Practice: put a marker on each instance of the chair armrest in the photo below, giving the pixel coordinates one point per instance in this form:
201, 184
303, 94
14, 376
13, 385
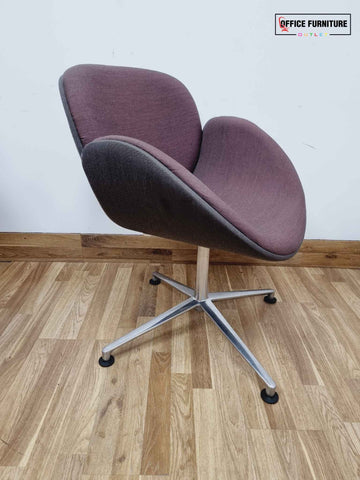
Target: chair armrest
233, 145
256, 180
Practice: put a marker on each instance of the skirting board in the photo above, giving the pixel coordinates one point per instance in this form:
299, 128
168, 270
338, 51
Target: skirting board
146, 248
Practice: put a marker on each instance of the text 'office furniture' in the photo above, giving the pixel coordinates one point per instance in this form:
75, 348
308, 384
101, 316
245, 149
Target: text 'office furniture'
155, 170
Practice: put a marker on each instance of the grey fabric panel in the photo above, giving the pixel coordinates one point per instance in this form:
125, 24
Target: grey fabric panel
138, 192
69, 117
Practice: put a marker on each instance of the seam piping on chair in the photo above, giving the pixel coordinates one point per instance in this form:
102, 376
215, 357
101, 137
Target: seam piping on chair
73, 128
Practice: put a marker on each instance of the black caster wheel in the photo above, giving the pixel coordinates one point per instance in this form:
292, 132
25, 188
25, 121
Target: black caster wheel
269, 299
154, 281
269, 399
106, 363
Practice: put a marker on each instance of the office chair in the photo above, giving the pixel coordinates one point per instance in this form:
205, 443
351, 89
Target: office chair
154, 169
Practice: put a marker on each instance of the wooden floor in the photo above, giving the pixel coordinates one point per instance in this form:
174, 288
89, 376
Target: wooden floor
180, 403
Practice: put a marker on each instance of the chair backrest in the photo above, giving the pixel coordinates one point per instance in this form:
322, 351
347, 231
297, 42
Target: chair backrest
150, 106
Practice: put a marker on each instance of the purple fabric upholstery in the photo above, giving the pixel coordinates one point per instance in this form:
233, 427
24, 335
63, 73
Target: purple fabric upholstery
246, 177
137, 190
256, 182
143, 104
240, 187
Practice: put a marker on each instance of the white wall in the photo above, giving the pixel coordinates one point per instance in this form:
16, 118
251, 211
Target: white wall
303, 92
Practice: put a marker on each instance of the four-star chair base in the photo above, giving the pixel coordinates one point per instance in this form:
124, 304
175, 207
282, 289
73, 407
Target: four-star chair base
201, 298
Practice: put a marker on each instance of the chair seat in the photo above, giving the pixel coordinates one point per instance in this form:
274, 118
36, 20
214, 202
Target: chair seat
242, 174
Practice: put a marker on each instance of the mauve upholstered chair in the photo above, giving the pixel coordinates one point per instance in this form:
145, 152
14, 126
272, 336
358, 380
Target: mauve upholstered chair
155, 170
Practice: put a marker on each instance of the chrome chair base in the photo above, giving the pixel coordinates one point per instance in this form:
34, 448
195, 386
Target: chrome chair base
200, 298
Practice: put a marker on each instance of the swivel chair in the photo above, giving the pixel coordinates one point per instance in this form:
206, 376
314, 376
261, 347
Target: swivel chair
154, 169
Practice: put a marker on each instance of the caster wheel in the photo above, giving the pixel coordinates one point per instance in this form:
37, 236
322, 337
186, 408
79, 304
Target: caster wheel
154, 281
106, 363
268, 399
269, 299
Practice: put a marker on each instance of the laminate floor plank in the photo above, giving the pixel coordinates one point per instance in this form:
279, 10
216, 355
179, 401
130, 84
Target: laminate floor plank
156, 446
182, 429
